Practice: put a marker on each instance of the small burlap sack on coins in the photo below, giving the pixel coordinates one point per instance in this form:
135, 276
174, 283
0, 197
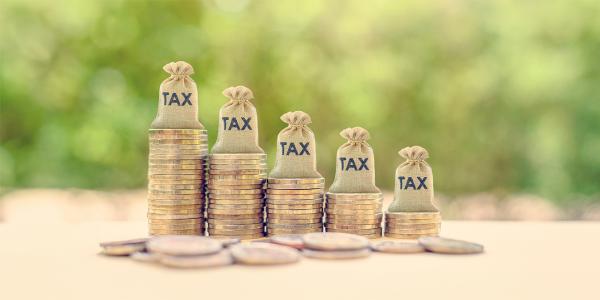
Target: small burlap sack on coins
296, 149
238, 123
177, 99
413, 191
355, 168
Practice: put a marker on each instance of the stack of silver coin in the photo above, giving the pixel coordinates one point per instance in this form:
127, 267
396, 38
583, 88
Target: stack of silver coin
176, 181
356, 213
236, 195
294, 205
412, 225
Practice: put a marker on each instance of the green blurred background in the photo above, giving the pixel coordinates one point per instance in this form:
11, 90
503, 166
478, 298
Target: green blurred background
503, 94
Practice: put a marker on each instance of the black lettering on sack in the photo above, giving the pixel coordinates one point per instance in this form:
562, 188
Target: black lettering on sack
349, 164
410, 182
233, 123
292, 149
174, 99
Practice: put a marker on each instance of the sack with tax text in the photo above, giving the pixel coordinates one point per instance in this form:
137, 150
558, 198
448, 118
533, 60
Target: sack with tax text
413, 191
177, 99
296, 149
355, 167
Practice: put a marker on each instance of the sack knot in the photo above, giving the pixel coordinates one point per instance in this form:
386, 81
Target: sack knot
296, 119
355, 135
238, 94
414, 154
179, 70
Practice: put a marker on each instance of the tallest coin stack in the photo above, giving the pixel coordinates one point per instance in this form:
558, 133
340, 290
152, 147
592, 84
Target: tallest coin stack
177, 157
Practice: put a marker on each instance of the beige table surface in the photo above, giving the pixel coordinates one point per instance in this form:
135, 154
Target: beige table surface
522, 261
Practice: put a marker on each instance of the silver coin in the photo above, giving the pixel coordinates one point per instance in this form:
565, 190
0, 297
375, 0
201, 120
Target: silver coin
145, 256
264, 254
397, 247
290, 240
331, 241
123, 248
183, 245
221, 258
449, 246
338, 254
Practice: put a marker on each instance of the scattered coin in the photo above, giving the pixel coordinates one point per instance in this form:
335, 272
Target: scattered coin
228, 241
145, 256
337, 254
221, 258
183, 245
334, 241
264, 254
290, 240
123, 248
397, 247
449, 246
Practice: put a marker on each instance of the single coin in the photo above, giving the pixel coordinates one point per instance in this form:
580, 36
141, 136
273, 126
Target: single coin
233, 211
169, 191
241, 237
160, 202
397, 247
178, 149
235, 232
216, 203
352, 211
235, 181
211, 187
236, 192
412, 231
176, 226
331, 241
221, 258
173, 216
294, 202
177, 141
295, 226
407, 236
237, 161
295, 197
354, 195
176, 167
144, 256
296, 180
354, 206
157, 232
177, 162
318, 206
173, 172
176, 222
354, 202
333, 220
176, 207
260, 177
237, 226
253, 206
174, 211
229, 156
122, 248
158, 155
255, 220
176, 177
232, 197
235, 216
178, 136
337, 254
177, 131
294, 211
352, 226
377, 216
183, 245
449, 246
278, 231
422, 222
227, 241
273, 220
154, 182
411, 215
282, 186
273, 215
264, 254
290, 240
294, 192
238, 167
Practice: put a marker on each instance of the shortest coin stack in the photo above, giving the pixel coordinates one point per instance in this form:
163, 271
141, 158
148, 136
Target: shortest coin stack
176, 177
356, 213
294, 205
412, 225
236, 195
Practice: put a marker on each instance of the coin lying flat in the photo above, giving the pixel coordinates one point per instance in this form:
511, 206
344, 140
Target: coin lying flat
183, 245
298, 181
295, 197
228, 241
449, 246
295, 186
407, 236
397, 247
334, 241
338, 254
145, 256
264, 254
290, 240
221, 258
354, 195
411, 215
123, 248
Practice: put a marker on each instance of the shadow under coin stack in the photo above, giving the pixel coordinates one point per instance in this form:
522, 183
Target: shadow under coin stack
412, 225
294, 205
176, 178
236, 195
356, 213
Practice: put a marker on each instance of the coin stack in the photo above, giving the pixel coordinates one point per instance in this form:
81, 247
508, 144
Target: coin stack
236, 195
294, 205
356, 213
176, 178
412, 225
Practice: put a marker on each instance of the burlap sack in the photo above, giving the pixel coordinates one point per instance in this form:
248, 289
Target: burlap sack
296, 149
177, 99
238, 124
355, 170
413, 191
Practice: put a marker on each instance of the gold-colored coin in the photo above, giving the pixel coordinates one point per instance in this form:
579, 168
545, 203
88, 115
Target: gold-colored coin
412, 231
236, 192
237, 172
176, 227
372, 223
406, 236
177, 131
328, 241
175, 202
450, 246
235, 156
276, 186
214, 211
318, 206
167, 187
255, 220
122, 248
154, 161
173, 216
176, 222
273, 220
234, 187
175, 182
355, 202
352, 226
294, 202
173, 172
345, 254
356, 231
163, 156
173, 211
227, 182
234, 197
195, 232
176, 192
277, 197
256, 214
177, 136
168, 207
294, 226
261, 166
273, 215
400, 222
299, 181
354, 195
272, 231
294, 211
177, 142
411, 215
294, 192
255, 206
241, 237
236, 226
235, 231
179, 149
175, 167
413, 226
352, 212
335, 207
176, 177
254, 202
238, 161
227, 178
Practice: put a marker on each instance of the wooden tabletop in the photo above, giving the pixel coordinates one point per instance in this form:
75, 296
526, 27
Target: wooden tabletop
522, 261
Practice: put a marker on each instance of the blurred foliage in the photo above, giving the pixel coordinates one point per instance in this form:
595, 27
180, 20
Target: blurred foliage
504, 94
